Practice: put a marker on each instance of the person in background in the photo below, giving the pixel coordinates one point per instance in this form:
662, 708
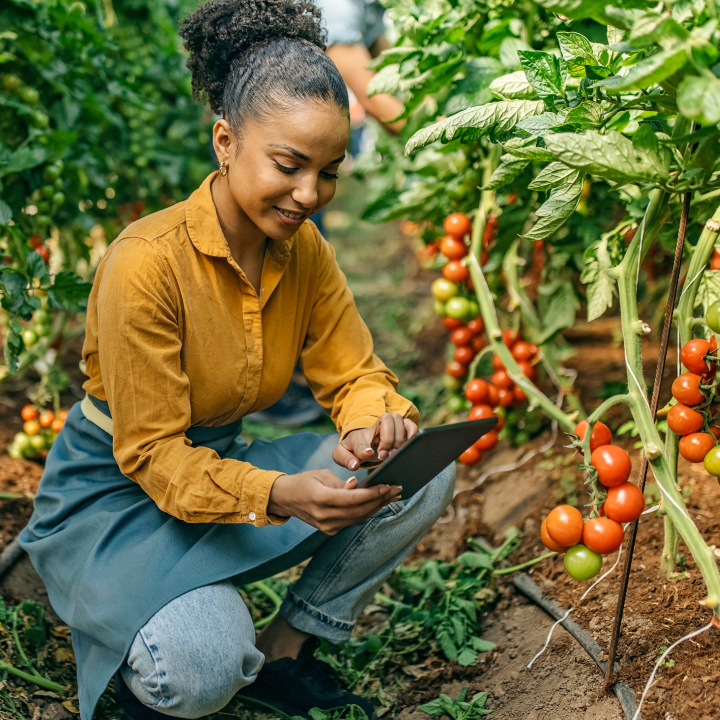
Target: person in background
355, 31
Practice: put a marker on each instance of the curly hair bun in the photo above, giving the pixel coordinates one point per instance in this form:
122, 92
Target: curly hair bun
221, 33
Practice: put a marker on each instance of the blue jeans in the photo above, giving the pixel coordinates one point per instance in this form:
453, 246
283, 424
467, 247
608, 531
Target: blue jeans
193, 655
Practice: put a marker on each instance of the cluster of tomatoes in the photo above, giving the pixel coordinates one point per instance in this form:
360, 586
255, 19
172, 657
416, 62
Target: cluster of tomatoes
40, 428
500, 391
585, 542
691, 416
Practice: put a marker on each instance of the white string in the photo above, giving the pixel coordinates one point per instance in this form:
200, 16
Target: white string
565, 616
688, 285
662, 658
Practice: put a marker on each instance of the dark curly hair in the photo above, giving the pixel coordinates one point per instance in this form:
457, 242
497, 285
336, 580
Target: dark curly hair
250, 57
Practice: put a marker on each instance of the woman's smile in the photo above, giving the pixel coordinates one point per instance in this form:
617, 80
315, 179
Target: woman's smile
287, 217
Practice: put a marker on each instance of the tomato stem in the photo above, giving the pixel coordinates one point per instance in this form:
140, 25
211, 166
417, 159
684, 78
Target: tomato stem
522, 566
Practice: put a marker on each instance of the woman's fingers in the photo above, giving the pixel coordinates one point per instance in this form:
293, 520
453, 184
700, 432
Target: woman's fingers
344, 457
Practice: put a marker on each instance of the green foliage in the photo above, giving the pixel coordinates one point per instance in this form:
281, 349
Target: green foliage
459, 709
97, 126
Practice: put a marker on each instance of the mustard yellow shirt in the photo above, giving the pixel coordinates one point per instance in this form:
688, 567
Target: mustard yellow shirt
176, 336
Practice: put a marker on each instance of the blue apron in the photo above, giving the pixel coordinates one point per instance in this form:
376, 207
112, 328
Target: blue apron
110, 558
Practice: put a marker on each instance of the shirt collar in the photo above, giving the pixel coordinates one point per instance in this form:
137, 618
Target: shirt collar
204, 229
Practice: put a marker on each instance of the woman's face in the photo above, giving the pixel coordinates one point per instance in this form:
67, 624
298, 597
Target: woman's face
283, 169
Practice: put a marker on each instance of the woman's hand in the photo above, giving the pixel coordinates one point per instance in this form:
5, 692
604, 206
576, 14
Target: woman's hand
374, 444
321, 499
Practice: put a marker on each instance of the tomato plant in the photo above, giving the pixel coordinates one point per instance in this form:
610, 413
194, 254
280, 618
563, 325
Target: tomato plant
83, 151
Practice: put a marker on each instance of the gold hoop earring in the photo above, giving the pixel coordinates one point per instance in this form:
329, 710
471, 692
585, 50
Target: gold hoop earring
223, 169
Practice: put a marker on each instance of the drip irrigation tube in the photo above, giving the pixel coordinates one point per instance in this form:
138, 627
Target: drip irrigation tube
624, 693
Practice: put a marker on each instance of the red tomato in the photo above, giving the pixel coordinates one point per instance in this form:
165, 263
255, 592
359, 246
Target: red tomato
686, 389
493, 399
464, 355
715, 430
477, 343
35, 242
489, 231
696, 446
47, 418
501, 379
472, 456
453, 248
487, 442
480, 412
624, 503
57, 425
477, 325
455, 369
519, 394
715, 263
601, 434
455, 271
29, 412
528, 370
497, 363
427, 253
522, 351
547, 541
476, 391
505, 397
612, 463
44, 253
534, 350
683, 420
510, 337
461, 336
565, 525
603, 535
457, 224
692, 355
452, 323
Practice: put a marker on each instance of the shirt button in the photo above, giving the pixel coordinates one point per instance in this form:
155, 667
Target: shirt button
252, 516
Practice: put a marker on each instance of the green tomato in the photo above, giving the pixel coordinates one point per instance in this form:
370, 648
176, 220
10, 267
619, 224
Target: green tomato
474, 310
456, 403
40, 119
712, 462
42, 316
47, 191
712, 317
58, 183
582, 563
43, 220
42, 330
58, 198
11, 82
22, 441
51, 172
14, 451
37, 442
29, 95
521, 438
452, 384
443, 289
457, 307
43, 207
29, 337
439, 308
142, 161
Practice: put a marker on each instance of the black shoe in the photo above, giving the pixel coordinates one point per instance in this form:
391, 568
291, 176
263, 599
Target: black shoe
296, 686
131, 706
297, 406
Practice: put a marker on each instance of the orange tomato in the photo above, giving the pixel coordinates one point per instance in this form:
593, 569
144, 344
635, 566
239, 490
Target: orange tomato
47, 418
457, 224
565, 525
601, 434
31, 427
547, 541
455, 271
29, 412
487, 442
603, 535
472, 456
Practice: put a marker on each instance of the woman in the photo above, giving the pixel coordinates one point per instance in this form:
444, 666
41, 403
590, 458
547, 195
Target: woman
151, 509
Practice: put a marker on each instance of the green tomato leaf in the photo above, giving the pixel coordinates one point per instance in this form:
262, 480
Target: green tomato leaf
547, 73
513, 86
13, 342
529, 153
393, 56
5, 213
600, 286
22, 159
495, 118
482, 645
611, 156
540, 124
506, 172
647, 72
575, 9
68, 292
553, 175
709, 289
574, 45
699, 99
558, 311
386, 80
559, 206
587, 114
467, 657
509, 52
14, 295
475, 560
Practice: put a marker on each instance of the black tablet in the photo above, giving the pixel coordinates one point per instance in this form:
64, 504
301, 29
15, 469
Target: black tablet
428, 452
